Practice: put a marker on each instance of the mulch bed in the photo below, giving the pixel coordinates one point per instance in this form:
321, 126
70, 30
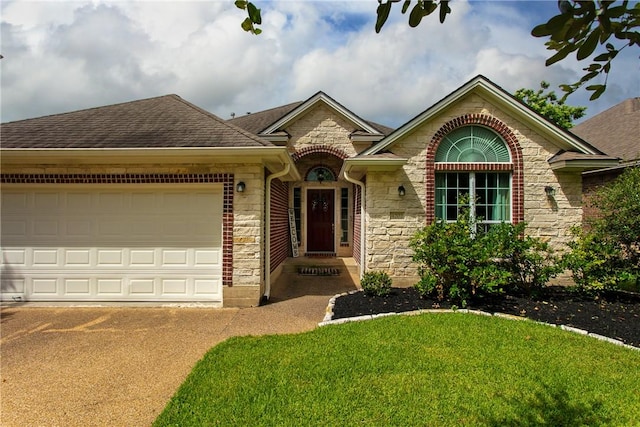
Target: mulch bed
615, 315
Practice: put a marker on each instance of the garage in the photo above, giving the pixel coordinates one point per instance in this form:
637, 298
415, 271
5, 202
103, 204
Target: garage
112, 242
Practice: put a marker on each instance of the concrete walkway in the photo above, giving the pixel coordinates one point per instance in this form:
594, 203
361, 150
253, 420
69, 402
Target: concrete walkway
119, 366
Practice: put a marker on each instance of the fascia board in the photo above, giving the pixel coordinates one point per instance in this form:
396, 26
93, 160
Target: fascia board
312, 102
582, 165
168, 155
373, 164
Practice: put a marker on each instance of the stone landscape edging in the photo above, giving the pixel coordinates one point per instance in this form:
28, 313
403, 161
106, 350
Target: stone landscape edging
328, 319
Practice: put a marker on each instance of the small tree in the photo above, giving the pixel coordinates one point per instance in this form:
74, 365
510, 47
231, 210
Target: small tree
548, 105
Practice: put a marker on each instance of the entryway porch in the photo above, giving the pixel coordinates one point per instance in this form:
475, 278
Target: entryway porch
321, 276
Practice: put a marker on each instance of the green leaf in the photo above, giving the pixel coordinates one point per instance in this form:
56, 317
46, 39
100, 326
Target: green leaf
247, 25
416, 16
560, 55
444, 10
241, 4
254, 13
405, 6
541, 31
589, 45
598, 90
383, 14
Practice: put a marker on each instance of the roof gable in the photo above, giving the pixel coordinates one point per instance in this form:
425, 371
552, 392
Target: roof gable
161, 122
317, 99
499, 97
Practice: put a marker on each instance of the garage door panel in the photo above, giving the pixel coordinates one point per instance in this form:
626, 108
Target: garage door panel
77, 244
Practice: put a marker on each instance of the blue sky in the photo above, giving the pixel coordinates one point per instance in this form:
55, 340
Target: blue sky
62, 56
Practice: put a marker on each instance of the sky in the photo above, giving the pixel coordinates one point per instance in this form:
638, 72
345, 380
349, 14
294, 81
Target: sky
62, 56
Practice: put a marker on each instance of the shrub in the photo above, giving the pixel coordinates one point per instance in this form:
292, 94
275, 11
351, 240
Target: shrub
530, 261
606, 253
376, 283
459, 260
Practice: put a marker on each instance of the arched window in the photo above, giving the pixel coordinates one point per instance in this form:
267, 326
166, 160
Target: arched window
486, 192
473, 144
320, 174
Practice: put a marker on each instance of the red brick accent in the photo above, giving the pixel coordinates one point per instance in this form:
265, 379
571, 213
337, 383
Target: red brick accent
516, 165
152, 178
319, 149
280, 239
357, 200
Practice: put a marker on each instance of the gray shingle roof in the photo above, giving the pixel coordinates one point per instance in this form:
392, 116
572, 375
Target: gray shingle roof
615, 131
257, 122
165, 121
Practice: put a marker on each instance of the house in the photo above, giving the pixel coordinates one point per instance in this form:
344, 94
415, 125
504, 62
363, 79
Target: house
615, 131
159, 200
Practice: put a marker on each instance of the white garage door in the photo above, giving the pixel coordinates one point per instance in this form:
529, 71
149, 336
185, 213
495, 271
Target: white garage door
156, 242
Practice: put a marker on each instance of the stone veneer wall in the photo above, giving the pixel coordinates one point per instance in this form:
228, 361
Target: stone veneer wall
242, 213
321, 126
392, 219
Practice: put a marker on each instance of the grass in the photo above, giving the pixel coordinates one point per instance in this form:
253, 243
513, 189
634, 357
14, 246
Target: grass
446, 369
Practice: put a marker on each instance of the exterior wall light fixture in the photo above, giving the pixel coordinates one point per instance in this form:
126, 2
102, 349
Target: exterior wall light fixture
401, 190
550, 191
240, 187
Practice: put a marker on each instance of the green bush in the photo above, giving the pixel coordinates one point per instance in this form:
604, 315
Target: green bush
376, 283
605, 254
530, 262
460, 260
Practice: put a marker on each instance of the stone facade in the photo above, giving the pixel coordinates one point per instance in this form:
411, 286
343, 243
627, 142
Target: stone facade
392, 219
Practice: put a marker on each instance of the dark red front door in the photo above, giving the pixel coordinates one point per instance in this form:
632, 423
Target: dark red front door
320, 216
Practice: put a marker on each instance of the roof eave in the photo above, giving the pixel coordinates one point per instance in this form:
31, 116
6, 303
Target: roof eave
271, 157
358, 167
581, 165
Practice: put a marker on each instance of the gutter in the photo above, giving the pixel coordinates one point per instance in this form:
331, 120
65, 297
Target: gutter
362, 220
267, 257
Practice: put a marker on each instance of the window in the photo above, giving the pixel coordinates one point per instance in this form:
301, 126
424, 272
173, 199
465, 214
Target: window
488, 194
297, 211
320, 173
344, 216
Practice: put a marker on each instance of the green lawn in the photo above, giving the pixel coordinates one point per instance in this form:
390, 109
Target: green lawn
432, 369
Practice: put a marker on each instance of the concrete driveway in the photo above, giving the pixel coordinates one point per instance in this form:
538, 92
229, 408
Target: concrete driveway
119, 366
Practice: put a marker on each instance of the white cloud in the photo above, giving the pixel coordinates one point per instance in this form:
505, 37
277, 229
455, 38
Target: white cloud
67, 55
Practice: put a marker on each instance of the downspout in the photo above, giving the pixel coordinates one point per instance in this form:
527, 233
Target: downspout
360, 184
267, 260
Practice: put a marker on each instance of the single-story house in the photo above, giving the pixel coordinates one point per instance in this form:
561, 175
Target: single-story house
159, 200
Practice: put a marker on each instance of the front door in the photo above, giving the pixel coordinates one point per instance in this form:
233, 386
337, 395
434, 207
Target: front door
320, 220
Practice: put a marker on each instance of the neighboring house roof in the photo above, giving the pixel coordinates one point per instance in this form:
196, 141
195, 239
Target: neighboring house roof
161, 122
615, 131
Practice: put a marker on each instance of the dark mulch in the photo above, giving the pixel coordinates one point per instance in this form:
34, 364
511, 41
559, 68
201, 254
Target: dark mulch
615, 315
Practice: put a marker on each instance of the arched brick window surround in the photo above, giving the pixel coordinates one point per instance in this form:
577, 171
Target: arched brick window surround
516, 166
152, 178
323, 149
